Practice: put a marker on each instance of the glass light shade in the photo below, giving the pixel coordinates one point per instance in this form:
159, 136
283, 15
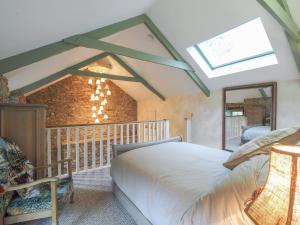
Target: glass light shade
102, 103
97, 120
94, 115
92, 97
101, 107
105, 101
105, 117
99, 112
278, 202
98, 82
99, 87
90, 82
103, 79
96, 98
102, 95
97, 92
94, 108
106, 87
108, 92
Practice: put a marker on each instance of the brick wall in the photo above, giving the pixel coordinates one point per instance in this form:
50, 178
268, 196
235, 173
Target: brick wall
4, 92
69, 103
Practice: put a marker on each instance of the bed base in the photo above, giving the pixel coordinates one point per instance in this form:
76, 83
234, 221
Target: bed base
132, 210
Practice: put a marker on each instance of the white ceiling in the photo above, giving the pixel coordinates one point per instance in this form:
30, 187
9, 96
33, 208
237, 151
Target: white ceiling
26, 25
188, 22
183, 22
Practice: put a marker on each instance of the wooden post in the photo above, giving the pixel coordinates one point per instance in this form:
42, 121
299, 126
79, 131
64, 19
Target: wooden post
54, 203
167, 129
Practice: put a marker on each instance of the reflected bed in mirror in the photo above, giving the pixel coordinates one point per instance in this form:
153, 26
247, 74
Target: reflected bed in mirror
248, 112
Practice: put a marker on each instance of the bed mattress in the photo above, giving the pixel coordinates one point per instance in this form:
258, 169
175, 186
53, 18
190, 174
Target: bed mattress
166, 180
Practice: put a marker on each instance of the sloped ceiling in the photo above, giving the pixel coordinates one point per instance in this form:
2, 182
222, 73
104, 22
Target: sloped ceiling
26, 25
185, 23
31, 24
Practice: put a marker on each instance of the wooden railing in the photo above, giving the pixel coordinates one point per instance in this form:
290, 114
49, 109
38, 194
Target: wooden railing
234, 126
90, 146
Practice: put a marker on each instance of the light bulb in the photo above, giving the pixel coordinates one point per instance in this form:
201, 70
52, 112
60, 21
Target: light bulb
98, 82
94, 108
97, 120
105, 117
99, 87
96, 98
102, 95
101, 107
92, 97
97, 92
100, 112
94, 115
103, 79
108, 92
102, 103
105, 101
107, 87
90, 82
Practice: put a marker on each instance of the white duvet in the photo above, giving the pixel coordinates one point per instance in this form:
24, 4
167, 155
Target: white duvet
180, 183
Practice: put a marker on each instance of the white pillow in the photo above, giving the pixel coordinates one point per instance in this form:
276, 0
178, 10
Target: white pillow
261, 145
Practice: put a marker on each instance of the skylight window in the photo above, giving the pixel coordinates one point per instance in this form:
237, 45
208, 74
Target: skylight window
243, 48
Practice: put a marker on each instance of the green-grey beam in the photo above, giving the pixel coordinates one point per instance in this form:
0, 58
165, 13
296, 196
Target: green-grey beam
70, 70
38, 54
263, 93
86, 73
282, 16
134, 73
295, 46
83, 41
176, 55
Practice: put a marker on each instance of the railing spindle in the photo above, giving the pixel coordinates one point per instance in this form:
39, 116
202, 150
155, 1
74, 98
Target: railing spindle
161, 130
127, 133
149, 131
58, 139
77, 149
49, 152
108, 146
153, 132
139, 133
144, 132
121, 134
68, 144
115, 134
133, 133
94, 147
101, 146
85, 149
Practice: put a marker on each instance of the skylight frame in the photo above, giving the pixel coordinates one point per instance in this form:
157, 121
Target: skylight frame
262, 59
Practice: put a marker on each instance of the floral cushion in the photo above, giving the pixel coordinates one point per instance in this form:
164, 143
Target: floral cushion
41, 202
4, 178
21, 170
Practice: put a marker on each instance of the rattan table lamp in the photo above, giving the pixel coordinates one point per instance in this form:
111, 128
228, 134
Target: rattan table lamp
278, 201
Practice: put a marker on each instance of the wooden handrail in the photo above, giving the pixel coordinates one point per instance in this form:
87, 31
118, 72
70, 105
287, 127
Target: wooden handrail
102, 124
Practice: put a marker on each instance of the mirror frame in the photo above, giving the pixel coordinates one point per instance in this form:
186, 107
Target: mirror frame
273, 86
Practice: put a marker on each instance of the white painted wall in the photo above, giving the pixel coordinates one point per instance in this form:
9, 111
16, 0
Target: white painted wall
207, 112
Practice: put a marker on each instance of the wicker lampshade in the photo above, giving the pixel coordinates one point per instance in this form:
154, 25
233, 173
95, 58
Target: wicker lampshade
278, 202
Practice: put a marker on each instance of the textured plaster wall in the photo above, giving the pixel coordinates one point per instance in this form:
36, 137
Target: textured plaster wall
207, 112
206, 120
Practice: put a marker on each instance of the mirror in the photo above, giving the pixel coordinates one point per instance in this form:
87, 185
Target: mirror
248, 112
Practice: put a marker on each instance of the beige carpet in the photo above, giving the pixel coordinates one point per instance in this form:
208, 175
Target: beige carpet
94, 203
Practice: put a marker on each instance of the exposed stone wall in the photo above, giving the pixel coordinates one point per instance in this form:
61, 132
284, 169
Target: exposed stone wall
69, 103
4, 92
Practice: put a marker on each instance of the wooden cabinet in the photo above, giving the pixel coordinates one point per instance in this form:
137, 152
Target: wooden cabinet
26, 125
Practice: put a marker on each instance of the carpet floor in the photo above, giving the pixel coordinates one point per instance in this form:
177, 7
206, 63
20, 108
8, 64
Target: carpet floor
94, 203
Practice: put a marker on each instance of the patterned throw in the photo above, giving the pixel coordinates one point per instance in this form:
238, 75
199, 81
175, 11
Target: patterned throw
18, 170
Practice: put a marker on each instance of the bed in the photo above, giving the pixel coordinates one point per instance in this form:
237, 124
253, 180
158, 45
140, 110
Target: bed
179, 183
251, 132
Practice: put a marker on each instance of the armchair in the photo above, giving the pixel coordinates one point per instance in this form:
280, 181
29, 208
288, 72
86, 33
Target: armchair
54, 193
